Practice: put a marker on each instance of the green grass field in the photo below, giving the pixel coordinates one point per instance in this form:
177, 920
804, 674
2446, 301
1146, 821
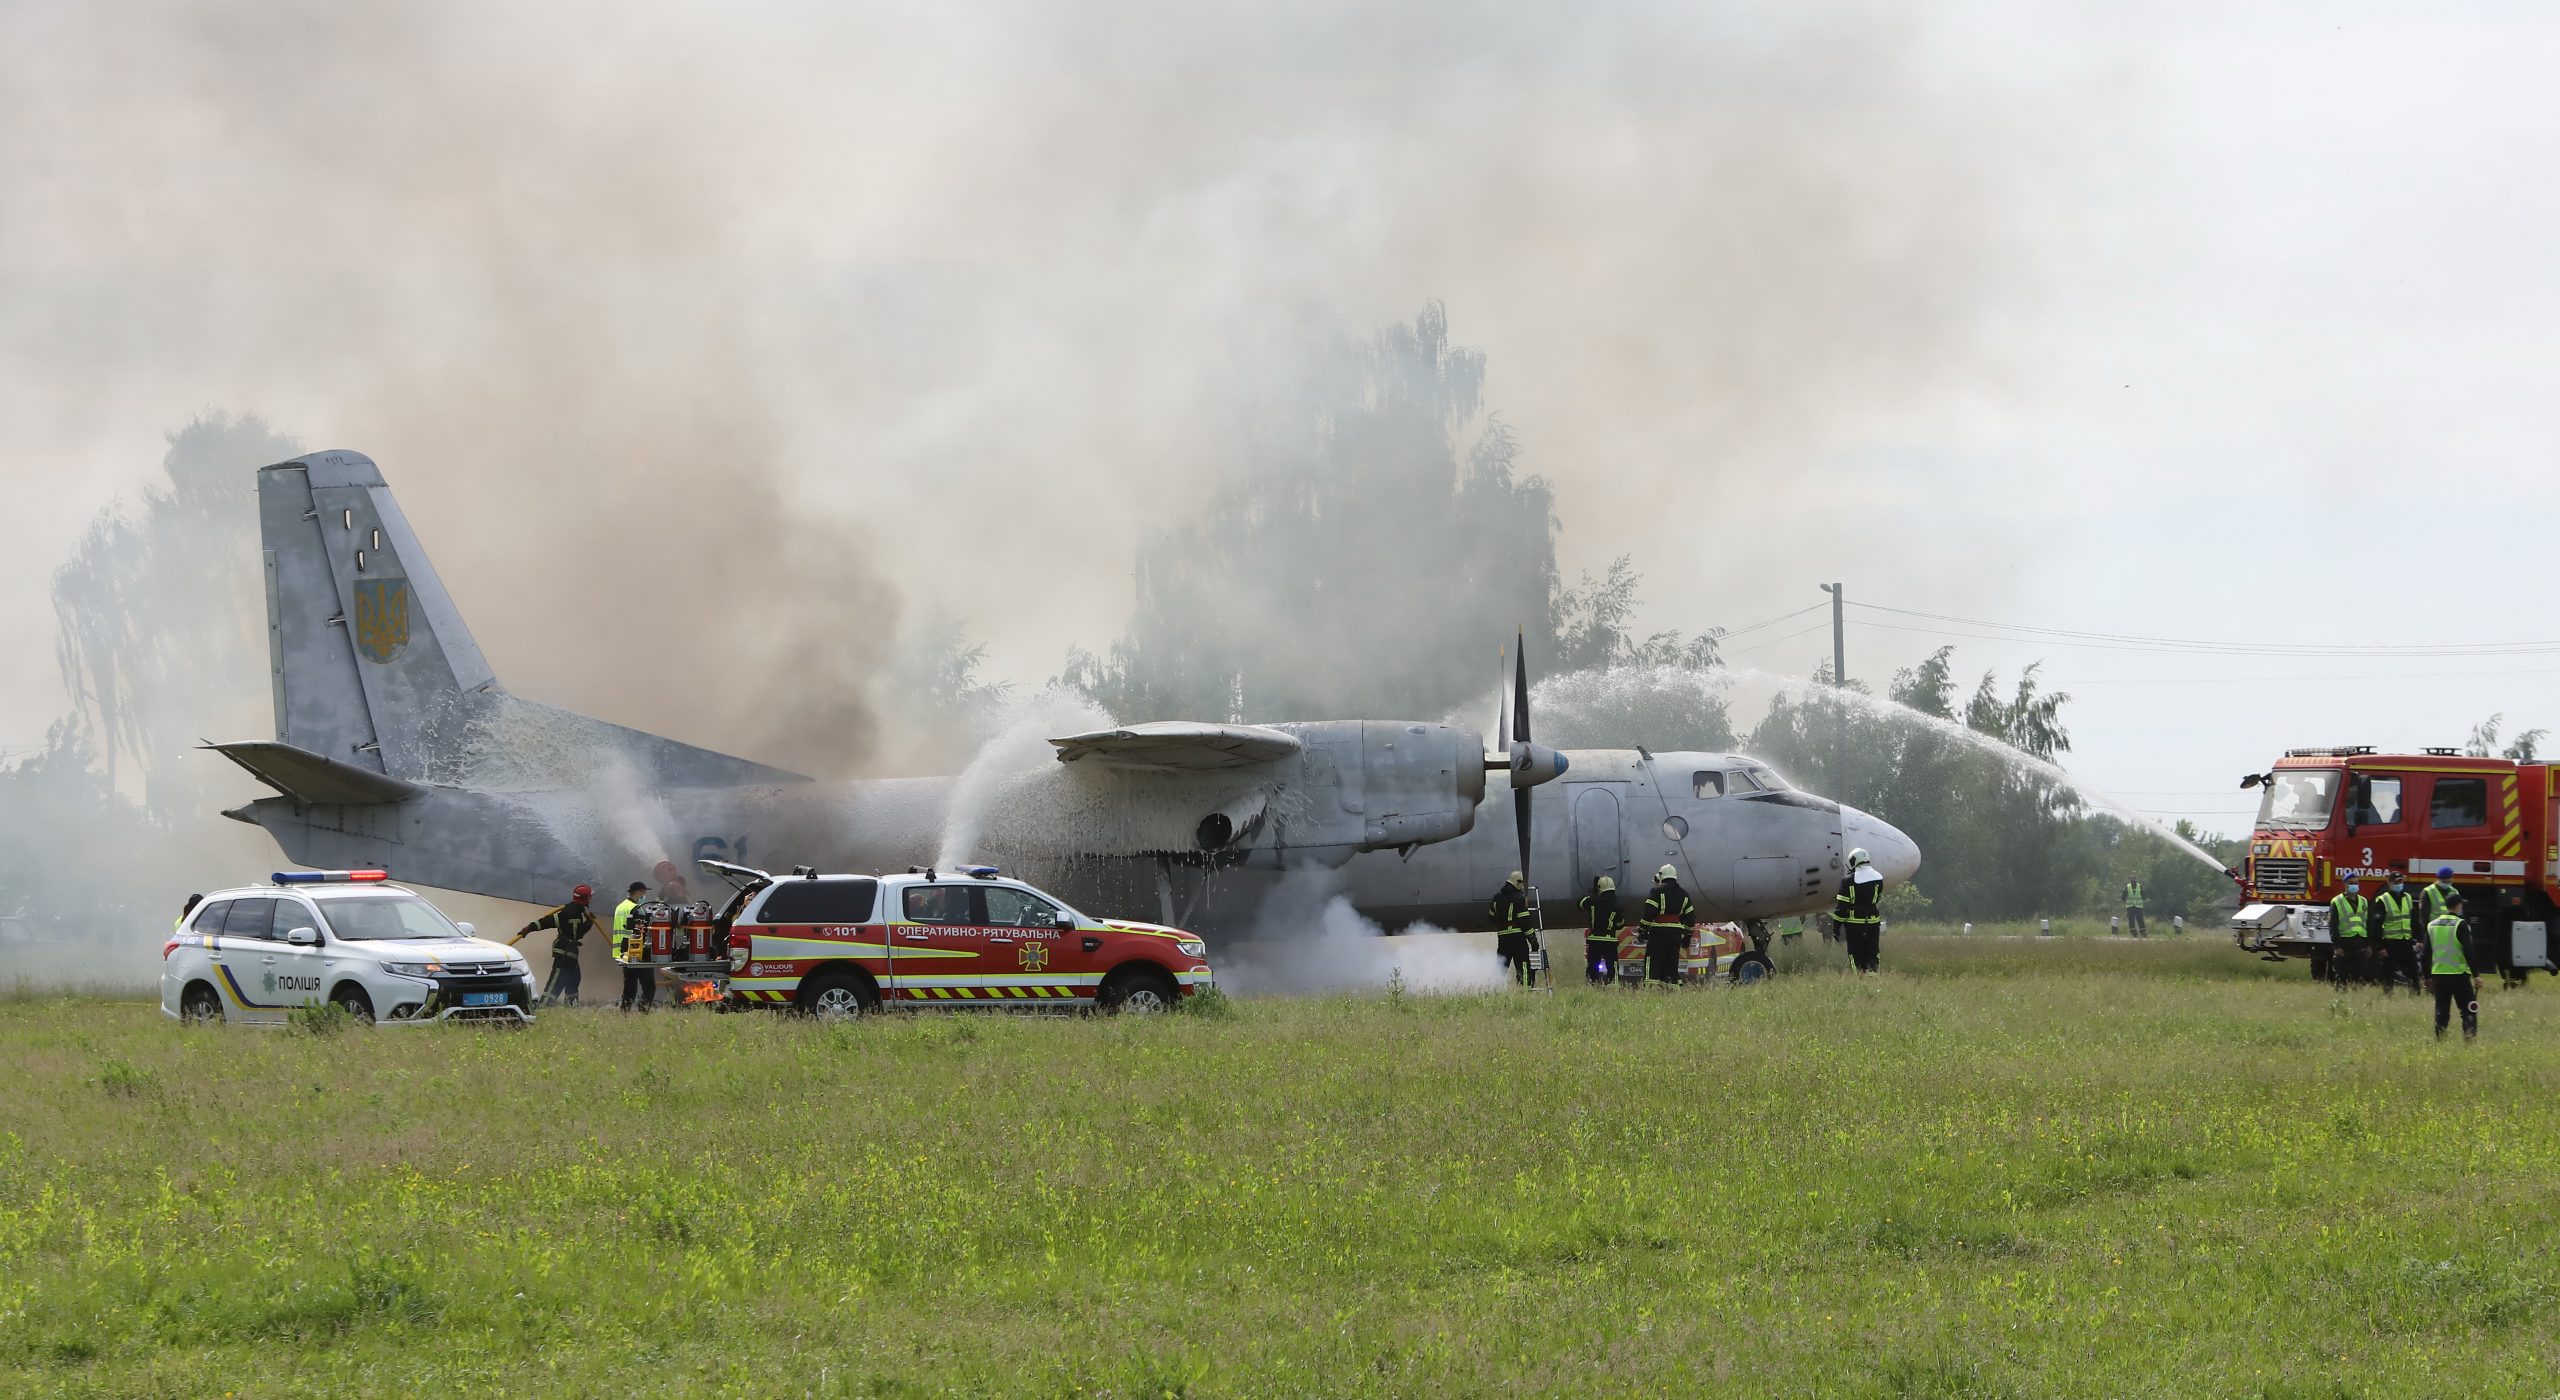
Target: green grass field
2006, 1168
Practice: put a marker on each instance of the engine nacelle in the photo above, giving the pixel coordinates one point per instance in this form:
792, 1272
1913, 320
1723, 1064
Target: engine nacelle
1373, 785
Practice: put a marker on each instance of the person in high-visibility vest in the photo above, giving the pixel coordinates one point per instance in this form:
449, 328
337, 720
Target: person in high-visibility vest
1855, 910
2441, 895
639, 980
1668, 912
2350, 949
1791, 928
190, 907
1601, 920
1516, 927
2449, 973
2395, 921
2133, 921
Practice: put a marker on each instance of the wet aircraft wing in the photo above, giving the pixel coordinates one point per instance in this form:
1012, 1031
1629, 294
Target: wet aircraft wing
311, 778
1180, 746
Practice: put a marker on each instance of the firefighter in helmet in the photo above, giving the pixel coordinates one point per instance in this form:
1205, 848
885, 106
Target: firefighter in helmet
570, 924
1668, 913
1855, 910
1601, 920
1516, 927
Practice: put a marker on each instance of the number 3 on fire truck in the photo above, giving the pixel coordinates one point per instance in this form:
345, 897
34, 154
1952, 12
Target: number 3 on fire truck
2368, 857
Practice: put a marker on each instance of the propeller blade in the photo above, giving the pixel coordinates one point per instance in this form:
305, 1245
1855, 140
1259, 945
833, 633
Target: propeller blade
1495, 742
1519, 743
1520, 814
1520, 688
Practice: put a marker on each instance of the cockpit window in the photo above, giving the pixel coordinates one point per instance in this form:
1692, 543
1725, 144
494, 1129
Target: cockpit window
1708, 784
1762, 776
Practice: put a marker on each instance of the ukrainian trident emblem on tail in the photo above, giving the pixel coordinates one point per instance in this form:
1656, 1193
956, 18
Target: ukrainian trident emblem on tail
382, 617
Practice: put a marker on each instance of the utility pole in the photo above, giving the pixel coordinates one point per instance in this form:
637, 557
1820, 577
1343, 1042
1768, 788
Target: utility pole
1839, 678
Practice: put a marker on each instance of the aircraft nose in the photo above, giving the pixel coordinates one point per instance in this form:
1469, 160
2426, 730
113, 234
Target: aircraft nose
1897, 856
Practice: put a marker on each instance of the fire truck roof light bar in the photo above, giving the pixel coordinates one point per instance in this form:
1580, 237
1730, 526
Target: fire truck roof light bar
2340, 751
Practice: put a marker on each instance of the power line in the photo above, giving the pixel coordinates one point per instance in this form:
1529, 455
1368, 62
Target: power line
1781, 637
2213, 649
2130, 641
1771, 622
2291, 679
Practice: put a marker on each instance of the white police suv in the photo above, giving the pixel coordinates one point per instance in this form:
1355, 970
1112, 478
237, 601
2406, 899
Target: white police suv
339, 936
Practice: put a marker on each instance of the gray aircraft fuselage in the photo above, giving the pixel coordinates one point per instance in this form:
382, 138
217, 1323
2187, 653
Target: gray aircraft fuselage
396, 748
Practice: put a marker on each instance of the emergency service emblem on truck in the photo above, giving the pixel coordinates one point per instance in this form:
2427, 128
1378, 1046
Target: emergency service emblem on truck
843, 944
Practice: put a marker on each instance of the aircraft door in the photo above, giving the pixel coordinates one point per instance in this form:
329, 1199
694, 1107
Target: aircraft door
1599, 840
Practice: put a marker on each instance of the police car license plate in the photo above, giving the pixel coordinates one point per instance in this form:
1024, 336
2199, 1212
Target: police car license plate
484, 998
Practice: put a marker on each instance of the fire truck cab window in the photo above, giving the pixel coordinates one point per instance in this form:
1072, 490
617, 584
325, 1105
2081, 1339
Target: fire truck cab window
939, 904
820, 902
2300, 801
2378, 802
1708, 784
2459, 802
1011, 908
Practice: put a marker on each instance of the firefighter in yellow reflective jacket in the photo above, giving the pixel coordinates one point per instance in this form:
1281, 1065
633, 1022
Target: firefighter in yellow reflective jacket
1516, 927
1855, 910
1601, 921
639, 980
2449, 973
1668, 913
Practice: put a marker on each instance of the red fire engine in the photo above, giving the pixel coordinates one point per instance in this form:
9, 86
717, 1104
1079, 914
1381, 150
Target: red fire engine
2327, 816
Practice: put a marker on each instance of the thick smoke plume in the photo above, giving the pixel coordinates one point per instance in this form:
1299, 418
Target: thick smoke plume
723, 358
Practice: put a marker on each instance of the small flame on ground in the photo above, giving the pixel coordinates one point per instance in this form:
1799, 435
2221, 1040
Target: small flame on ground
699, 993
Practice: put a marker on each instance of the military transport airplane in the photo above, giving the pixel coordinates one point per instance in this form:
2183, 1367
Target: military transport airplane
396, 748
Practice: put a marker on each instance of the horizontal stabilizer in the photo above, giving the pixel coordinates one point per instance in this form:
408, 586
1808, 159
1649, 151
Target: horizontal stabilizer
1180, 746
309, 778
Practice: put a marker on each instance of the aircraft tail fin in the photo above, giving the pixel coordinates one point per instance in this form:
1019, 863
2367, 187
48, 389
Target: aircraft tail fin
374, 669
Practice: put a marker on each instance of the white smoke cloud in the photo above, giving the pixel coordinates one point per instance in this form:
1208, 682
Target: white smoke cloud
1306, 937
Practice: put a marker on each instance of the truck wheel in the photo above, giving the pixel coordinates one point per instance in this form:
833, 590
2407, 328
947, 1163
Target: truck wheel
1752, 967
1143, 990
199, 1005
357, 1004
836, 995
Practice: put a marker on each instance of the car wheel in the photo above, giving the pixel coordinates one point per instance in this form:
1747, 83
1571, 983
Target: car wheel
836, 996
1752, 967
1144, 990
356, 1004
199, 1005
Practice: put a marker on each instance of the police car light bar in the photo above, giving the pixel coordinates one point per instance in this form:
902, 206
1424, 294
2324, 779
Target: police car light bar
983, 872
329, 877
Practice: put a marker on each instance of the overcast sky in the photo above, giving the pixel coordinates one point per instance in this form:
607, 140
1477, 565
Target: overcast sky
2191, 321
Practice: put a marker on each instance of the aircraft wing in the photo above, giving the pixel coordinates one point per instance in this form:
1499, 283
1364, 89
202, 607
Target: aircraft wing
1179, 746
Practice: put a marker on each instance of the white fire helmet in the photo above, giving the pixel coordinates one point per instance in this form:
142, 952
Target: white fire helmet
1666, 873
1860, 857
